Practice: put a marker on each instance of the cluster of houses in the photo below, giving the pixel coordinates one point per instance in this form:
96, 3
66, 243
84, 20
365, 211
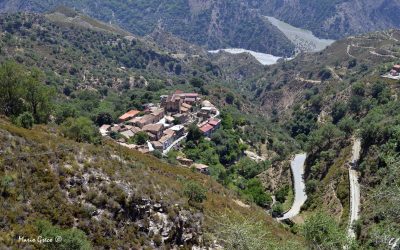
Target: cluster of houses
394, 73
166, 123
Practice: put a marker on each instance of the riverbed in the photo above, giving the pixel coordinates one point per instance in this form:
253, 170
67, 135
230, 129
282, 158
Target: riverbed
304, 40
264, 59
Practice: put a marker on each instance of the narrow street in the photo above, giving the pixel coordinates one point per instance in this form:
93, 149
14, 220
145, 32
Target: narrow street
297, 166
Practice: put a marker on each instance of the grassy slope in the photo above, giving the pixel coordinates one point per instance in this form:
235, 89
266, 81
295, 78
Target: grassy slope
113, 172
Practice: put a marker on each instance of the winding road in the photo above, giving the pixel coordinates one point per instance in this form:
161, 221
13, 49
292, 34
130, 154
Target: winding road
297, 166
354, 186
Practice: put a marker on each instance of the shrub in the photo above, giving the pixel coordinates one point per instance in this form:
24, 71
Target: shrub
195, 192
25, 120
70, 238
141, 138
281, 194
80, 129
323, 232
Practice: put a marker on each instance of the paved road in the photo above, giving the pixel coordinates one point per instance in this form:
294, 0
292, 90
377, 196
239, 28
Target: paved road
165, 152
297, 166
354, 186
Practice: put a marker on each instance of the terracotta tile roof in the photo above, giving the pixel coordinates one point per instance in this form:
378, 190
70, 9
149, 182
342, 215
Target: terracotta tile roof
200, 166
129, 114
158, 112
153, 127
214, 122
127, 134
105, 127
188, 106
191, 95
206, 128
169, 132
165, 138
157, 144
190, 99
135, 130
146, 118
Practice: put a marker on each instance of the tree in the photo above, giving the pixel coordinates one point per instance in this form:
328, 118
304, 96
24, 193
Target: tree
195, 192
22, 91
37, 96
141, 138
347, 125
358, 89
323, 232
277, 209
103, 118
194, 133
255, 191
25, 120
227, 121
230, 98
339, 110
197, 82
80, 129
11, 88
249, 168
281, 194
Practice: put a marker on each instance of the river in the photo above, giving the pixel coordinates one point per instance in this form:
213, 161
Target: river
264, 59
304, 40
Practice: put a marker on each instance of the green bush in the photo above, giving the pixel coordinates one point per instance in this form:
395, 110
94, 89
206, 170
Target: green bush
81, 129
195, 192
323, 232
141, 138
25, 120
69, 238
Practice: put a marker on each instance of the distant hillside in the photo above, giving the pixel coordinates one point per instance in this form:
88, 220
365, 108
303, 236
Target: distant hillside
337, 67
327, 99
213, 24
334, 19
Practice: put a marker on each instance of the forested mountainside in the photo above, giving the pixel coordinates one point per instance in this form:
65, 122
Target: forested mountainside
63, 74
326, 101
213, 24
334, 19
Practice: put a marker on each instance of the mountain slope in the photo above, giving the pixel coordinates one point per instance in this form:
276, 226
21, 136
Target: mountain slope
214, 24
114, 196
335, 19
327, 99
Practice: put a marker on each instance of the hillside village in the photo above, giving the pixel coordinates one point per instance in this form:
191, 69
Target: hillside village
394, 73
164, 125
